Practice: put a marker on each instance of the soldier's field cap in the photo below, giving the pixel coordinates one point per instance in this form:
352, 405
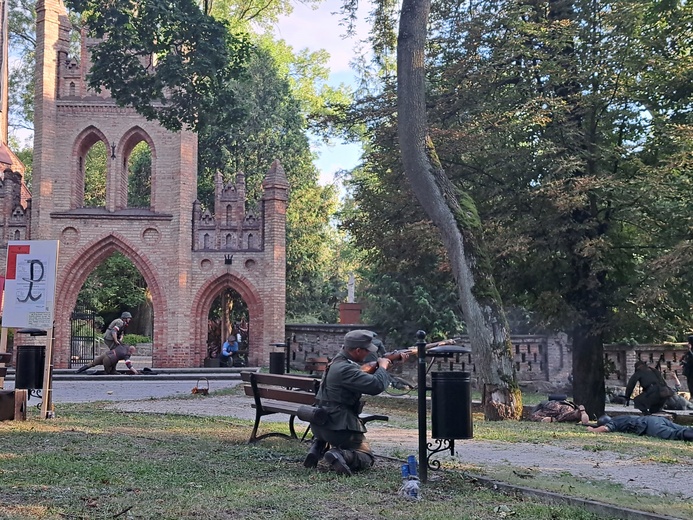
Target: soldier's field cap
360, 339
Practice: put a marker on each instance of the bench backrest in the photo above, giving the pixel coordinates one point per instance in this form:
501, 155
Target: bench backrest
316, 364
278, 387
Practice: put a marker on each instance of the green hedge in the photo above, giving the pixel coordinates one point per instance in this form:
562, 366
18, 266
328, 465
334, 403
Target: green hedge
134, 339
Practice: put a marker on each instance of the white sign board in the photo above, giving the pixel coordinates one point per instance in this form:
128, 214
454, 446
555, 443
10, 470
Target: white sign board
30, 284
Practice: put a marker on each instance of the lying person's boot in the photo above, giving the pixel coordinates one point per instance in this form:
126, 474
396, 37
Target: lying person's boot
83, 368
337, 461
317, 450
688, 434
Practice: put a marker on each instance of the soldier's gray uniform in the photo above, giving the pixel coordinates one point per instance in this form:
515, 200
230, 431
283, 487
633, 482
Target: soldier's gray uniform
341, 389
113, 330
650, 425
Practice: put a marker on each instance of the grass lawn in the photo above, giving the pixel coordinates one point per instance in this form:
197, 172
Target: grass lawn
92, 463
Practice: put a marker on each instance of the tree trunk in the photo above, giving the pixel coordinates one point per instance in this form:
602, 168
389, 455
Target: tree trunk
588, 371
455, 214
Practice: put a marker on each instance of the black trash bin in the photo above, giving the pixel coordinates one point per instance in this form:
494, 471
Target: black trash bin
277, 362
451, 403
29, 368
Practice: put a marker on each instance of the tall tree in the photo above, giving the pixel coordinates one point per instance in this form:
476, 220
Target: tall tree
455, 214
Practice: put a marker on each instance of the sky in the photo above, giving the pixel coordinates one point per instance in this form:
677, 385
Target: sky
320, 29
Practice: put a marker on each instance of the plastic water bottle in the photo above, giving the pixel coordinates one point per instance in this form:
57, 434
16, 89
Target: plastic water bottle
410, 480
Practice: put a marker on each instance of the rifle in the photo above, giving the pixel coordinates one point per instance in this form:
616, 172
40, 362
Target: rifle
371, 366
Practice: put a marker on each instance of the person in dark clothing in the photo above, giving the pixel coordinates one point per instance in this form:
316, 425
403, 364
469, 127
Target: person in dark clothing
341, 388
650, 399
687, 362
110, 359
650, 425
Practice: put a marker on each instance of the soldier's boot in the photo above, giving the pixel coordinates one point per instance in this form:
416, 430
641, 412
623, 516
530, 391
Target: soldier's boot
316, 452
339, 461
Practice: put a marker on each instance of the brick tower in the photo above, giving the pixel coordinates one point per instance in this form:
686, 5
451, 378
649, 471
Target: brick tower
184, 261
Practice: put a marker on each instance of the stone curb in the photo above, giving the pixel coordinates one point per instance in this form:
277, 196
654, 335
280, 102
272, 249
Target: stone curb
592, 506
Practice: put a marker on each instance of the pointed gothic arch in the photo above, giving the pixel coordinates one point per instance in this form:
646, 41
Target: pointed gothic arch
123, 150
74, 274
202, 303
84, 141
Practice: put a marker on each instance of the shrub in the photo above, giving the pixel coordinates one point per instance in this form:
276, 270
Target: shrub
134, 339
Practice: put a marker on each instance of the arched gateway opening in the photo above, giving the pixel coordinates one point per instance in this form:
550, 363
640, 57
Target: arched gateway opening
228, 320
207, 307
83, 263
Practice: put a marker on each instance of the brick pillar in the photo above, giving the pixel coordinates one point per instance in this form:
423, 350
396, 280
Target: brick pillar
274, 201
50, 42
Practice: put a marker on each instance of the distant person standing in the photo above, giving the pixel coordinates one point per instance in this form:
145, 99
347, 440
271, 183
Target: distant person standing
687, 362
115, 331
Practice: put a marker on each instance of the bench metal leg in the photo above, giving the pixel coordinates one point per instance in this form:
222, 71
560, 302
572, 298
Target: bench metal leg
253, 435
291, 427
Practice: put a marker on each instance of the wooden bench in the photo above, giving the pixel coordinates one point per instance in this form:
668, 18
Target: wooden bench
316, 365
277, 393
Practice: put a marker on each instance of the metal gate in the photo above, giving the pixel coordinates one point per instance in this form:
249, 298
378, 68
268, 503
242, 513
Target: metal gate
83, 336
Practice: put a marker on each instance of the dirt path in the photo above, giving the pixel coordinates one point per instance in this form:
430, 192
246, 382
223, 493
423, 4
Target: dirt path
644, 476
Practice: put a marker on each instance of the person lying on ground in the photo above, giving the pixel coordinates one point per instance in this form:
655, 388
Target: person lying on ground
110, 359
650, 425
559, 411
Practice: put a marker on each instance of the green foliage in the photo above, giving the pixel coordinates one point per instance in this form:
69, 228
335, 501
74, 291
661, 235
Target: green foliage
134, 339
22, 30
114, 285
570, 126
564, 149
406, 280
95, 166
168, 60
140, 176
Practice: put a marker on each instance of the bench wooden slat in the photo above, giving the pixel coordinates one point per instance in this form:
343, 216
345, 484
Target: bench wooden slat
306, 383
281, 394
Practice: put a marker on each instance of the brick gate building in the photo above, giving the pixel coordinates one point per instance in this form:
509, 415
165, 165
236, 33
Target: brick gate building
187, 256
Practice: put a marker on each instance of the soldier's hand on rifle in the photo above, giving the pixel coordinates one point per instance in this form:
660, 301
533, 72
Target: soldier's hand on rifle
384, 363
